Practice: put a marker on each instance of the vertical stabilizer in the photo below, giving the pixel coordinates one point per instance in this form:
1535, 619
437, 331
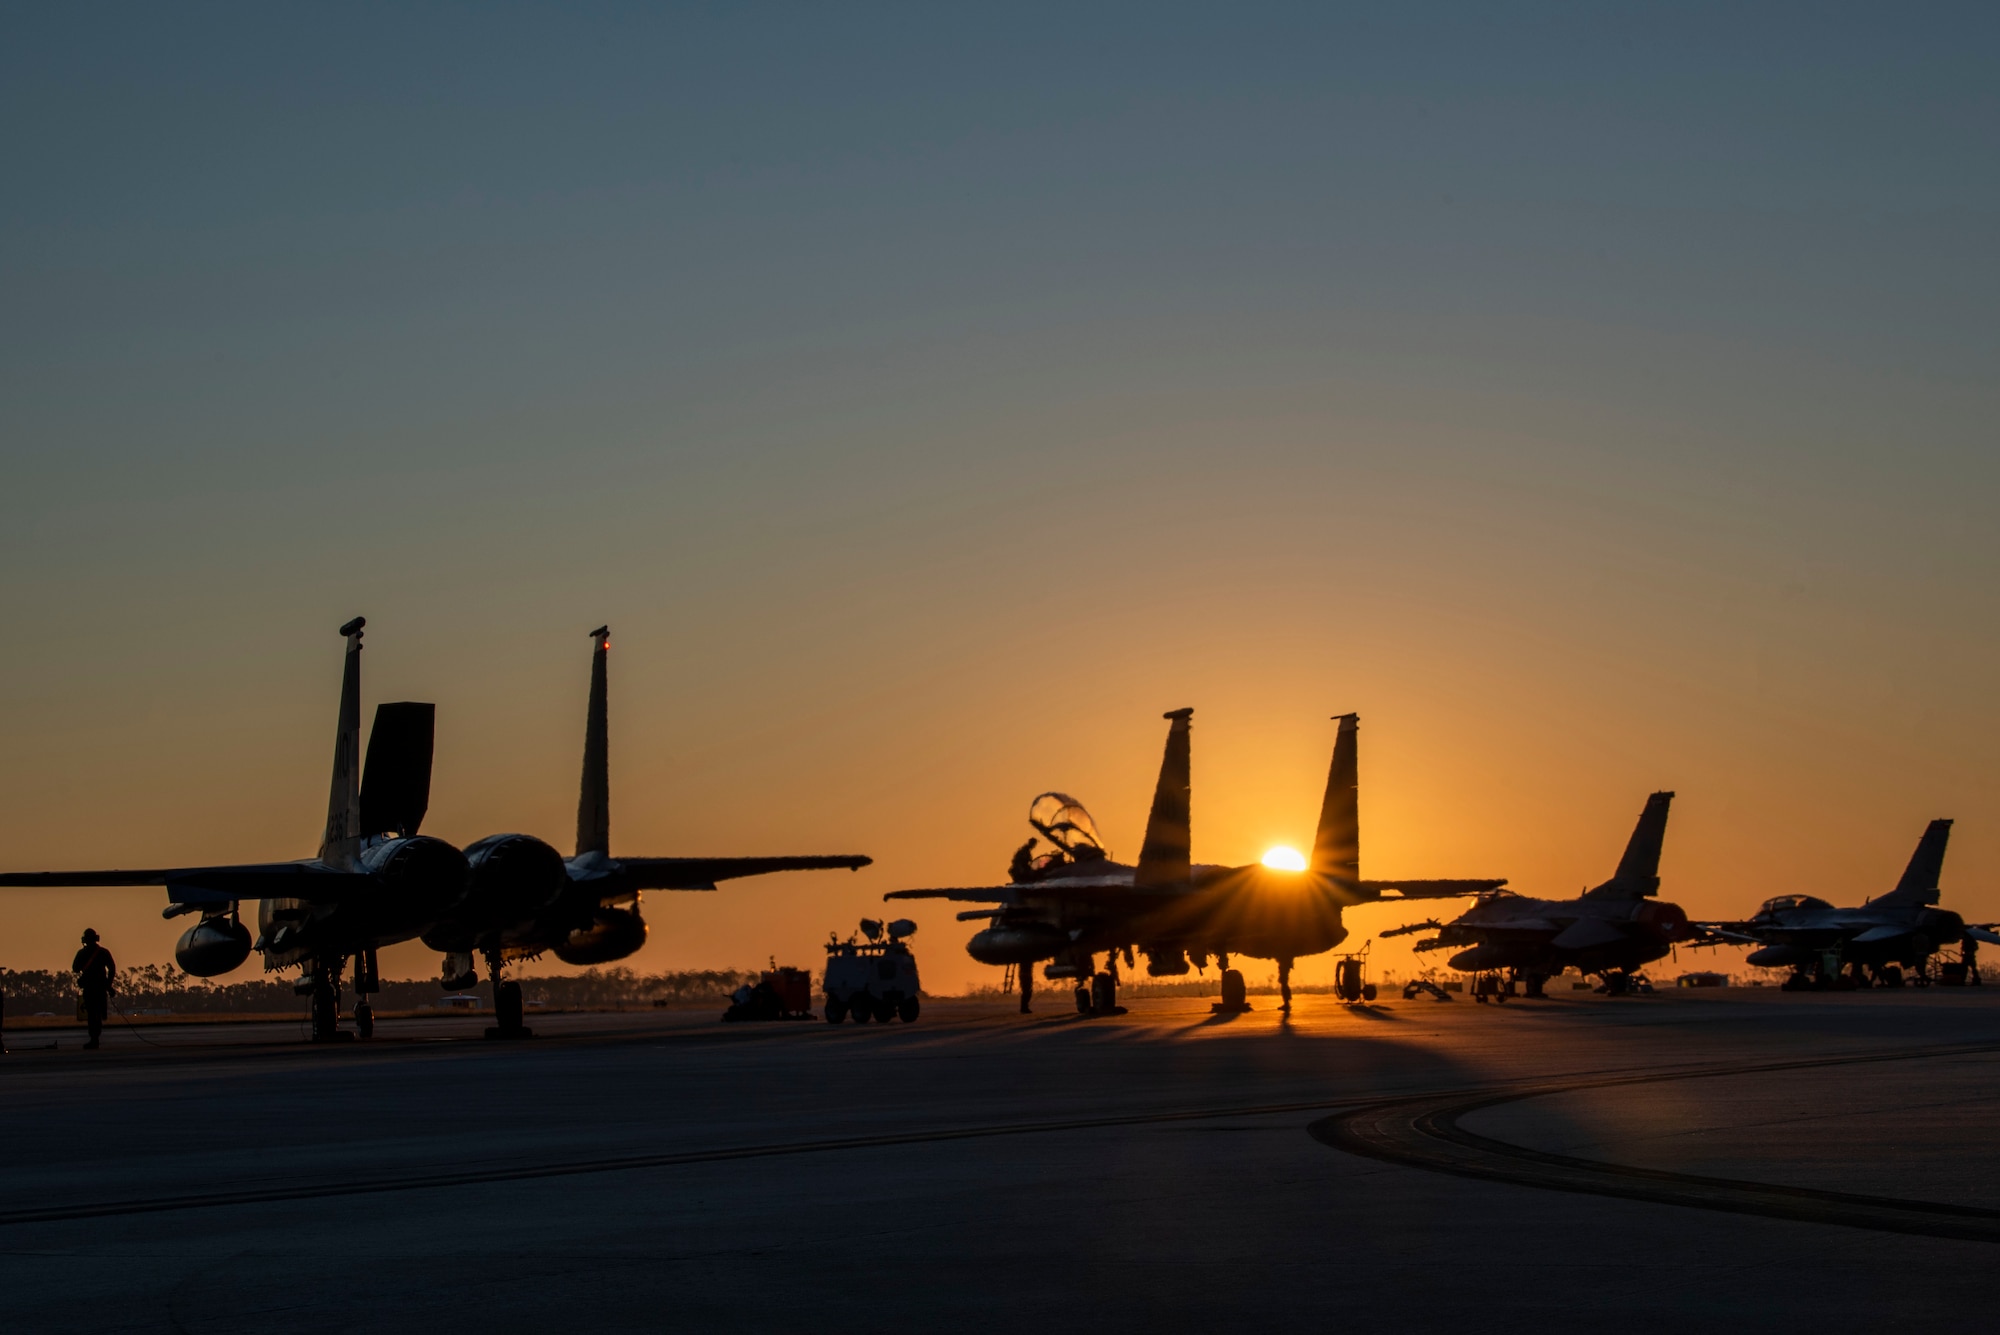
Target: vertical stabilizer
1638, 871
341, 844
1163, 860
1920, 879
593, 808
1336, 851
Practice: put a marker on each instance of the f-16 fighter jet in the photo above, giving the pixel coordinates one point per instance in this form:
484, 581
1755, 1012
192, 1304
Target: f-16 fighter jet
1826, 946
1073, 903
524, 898
1609, 931
375, 881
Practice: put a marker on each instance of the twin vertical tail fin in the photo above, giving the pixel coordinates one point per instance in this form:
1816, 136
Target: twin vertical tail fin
340, 846
1163, 860
593, 808
1638, 874
1920, 879
1336, 854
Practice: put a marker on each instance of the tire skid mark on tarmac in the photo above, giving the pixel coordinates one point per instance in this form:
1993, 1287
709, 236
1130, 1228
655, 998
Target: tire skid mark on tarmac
1348, 1113
1422, 1131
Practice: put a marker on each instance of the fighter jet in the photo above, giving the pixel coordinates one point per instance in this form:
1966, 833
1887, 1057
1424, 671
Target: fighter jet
1609, 931
1074, 902
374, 882
1827, 947
523, 898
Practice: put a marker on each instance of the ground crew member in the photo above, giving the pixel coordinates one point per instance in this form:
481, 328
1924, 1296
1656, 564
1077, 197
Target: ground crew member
94, 971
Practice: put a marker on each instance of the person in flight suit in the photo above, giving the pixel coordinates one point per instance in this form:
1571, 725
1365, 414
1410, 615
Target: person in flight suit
94, 971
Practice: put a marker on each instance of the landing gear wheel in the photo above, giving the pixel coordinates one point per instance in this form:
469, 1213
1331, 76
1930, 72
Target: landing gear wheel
836, 1010
325, 1013
507, 1010
364, 1019
862, 1007
907, 1008
1082, 999
1235, 997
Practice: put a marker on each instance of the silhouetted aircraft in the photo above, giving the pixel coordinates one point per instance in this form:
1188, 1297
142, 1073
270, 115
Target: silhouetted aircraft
523, 898
375, 882
1901, 930
1609, 931
1073, 902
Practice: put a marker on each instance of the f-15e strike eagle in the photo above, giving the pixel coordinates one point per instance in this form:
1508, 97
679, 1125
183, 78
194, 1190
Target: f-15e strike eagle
1610, 930
1073, 903
376, 881
1826, 946
524, 898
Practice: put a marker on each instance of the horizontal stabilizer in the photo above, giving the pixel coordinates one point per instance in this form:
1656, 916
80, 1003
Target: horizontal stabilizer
1586, 933
703, 873
1985, 934
396, 781
1920, 879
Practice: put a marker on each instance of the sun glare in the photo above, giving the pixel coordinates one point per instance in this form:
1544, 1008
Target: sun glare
1285, 859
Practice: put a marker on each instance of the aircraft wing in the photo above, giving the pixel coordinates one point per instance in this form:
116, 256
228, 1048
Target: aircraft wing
972, 894
310, 880
703, 873
1434, 889
1875, 935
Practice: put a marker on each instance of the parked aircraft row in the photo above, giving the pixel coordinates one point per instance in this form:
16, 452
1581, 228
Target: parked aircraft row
1064, 907
376, 881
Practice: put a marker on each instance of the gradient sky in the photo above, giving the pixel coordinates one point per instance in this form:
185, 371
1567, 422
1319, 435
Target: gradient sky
931, 396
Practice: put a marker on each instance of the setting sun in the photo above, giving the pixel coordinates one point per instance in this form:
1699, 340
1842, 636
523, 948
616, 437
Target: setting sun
1285, 859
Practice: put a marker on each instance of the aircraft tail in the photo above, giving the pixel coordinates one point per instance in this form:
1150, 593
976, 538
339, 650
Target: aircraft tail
396, 781
1163, 859
1336, 851
1638, 873
593, 807
341, 843
1920, 879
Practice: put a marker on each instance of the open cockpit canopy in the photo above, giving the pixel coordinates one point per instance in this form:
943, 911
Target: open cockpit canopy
1064, 822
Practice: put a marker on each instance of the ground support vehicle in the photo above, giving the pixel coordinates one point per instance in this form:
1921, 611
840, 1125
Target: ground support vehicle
872, 979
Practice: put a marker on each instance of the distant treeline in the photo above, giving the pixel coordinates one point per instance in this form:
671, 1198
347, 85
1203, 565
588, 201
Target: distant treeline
154, 987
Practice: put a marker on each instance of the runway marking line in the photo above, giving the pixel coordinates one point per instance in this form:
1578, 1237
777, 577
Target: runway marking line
1422, 1131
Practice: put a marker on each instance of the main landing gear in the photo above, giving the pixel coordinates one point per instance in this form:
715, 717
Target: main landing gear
1099, 996
507, 1004
1235, 996
322, 984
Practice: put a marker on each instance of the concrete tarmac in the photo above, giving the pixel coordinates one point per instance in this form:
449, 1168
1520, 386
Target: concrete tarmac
978, 1170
